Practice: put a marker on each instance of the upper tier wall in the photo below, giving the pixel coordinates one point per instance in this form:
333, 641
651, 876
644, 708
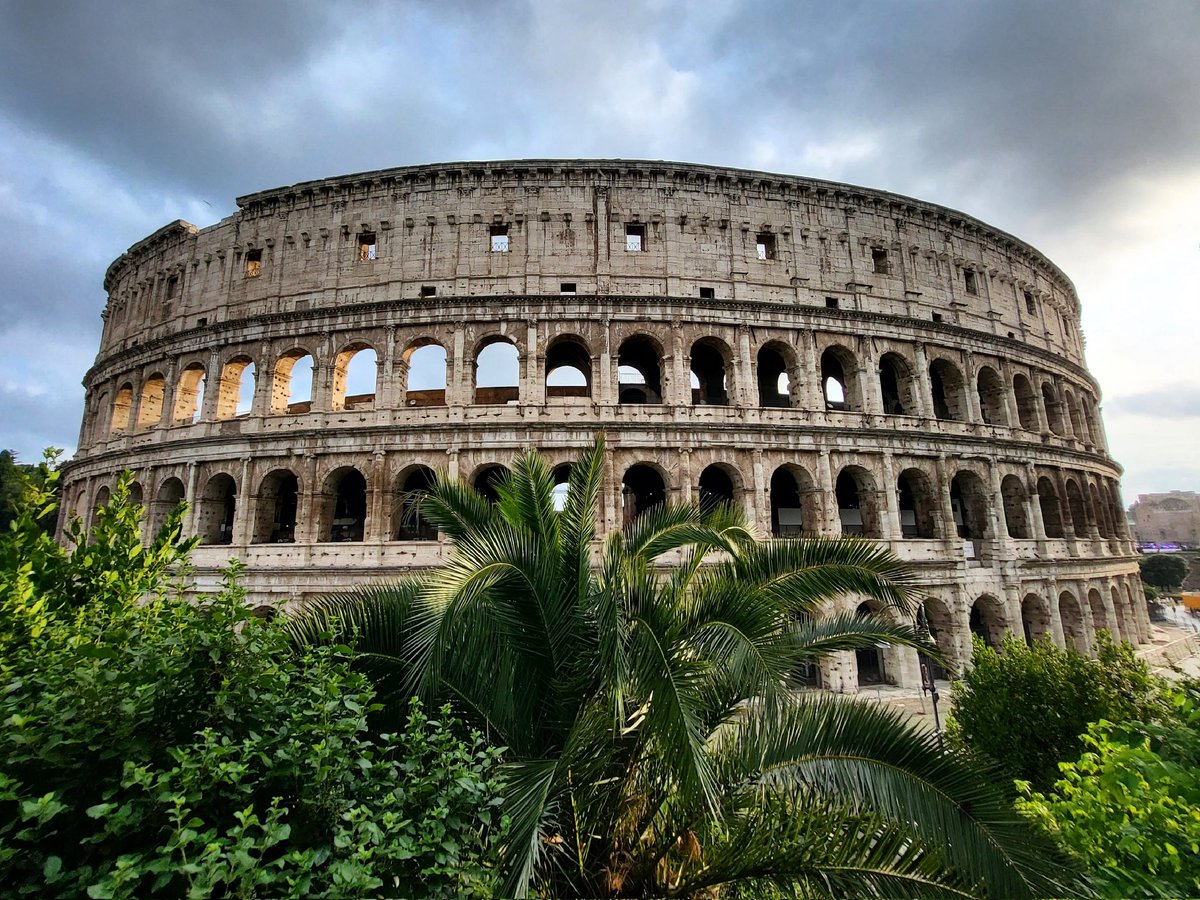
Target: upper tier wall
704, 229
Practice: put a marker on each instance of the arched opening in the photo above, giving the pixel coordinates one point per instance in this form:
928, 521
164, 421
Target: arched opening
1016, 517
1116, 511
710, 368
987, 621
992, 405
896, 386
941, 629
642, 489
794, 510
345, 505
169, 496
839, 380
1035, 619
488, 480
946, 387
355, 371
1053, 410
639, 371
1074, 632
968, 502
868, 659
100, 502
189, 395
915, 498
562, 477
291, 385
774, 383
716, 487
857, 508
235, 394
216, 509
497, 373
122, 408
1099, 613
425, 383
568, 369
1026, 403
150, 409
1076, 508
408, 521
135, 494
278, 502
1051, 509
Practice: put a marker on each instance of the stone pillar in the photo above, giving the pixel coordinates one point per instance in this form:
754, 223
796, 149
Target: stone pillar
760, 515
189, 519
832, 520
681, 390
971, 375
922, 390
1056, 625
378, 527
308, 501
868, 380
242, 522
605, 378
1110, 612
264, 381
460, 377
811, 390
889, 512
212, 387
1035, 505
533, 391
746, 383
687, 478
388, 387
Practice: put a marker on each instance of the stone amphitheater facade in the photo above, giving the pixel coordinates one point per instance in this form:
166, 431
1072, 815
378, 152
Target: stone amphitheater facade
832, 358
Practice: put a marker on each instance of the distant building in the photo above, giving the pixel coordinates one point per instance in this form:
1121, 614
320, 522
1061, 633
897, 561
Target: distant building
1172, 518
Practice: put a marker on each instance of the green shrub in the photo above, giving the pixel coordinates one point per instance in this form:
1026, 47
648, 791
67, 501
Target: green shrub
151, 746
1129, 809
1026, 707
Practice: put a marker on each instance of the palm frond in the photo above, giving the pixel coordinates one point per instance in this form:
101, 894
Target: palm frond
456, 508
869, 759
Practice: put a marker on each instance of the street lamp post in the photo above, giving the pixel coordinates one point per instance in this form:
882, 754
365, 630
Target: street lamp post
928, 682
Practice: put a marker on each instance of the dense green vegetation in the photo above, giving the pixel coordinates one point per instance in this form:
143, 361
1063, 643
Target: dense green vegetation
151, 746
654, 745
1164, 571
1027, 706
1129, 808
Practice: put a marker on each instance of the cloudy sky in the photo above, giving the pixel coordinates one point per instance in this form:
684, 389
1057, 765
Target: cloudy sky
1075, 125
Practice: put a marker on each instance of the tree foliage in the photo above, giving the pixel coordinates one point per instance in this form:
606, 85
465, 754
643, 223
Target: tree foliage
1163, 570
151, 746
655, 745
1027, 706
1129, 809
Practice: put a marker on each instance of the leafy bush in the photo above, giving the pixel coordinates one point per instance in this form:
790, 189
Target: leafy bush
165, 748
1026, 707
1129, 809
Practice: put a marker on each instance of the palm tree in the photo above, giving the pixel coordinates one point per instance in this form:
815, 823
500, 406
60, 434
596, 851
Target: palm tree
655, 745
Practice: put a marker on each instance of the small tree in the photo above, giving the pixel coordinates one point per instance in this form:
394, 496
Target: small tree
1163, 571
1026, 706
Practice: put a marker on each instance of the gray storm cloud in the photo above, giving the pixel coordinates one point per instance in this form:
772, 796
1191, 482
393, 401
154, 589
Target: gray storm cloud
117, 118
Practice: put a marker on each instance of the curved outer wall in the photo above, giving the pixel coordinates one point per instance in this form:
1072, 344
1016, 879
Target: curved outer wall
836, 359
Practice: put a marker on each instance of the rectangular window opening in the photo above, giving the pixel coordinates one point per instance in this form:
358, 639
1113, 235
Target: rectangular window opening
253, 263
366, 246
765, 246
879, 259
708, 293
202, 321
567, 287
1030, 306
172, 287
831, 302
428, 290
937, 317
635, 238
969, 282
499, 234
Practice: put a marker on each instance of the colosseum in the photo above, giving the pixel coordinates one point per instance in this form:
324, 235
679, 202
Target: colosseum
834, 359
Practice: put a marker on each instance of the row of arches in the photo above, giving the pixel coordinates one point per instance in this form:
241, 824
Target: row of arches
1068, 618
922, 500
903, 383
